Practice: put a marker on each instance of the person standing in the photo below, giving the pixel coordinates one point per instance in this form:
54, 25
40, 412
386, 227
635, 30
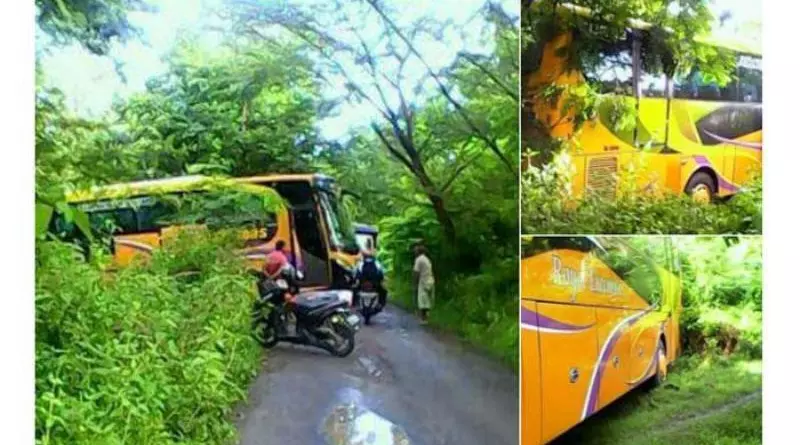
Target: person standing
423, 281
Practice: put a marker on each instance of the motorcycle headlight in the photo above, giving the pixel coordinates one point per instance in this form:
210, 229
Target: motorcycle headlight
282, 284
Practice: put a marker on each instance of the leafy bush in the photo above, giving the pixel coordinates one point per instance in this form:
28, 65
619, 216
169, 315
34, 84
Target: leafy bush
722, 294
476, 280
546, 208
142, 355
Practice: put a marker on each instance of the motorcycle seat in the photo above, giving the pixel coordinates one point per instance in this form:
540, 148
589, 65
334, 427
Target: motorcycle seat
310, 303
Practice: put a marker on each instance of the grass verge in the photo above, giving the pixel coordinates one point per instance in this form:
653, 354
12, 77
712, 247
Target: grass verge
488, 326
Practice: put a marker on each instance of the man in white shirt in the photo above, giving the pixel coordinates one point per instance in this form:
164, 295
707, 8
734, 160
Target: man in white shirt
423, 281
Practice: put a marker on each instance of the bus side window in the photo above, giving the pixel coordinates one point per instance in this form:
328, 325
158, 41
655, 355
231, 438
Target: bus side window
153, 217
613, 72
633, 268
749, 75
654, 85
114, 221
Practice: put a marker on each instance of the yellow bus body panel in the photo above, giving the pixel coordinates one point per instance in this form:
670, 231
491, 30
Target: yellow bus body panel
603, 160
586, 339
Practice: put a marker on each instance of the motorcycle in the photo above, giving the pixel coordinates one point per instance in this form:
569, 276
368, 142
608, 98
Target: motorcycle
318, 318
368, 299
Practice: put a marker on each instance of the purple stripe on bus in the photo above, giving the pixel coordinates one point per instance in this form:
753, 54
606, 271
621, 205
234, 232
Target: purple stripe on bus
532, 318
723, 183
600, 368
647, 372
745, 144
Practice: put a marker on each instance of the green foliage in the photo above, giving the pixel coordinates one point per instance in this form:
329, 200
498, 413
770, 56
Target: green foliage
155, 353
721, 291
94, 24
547, 208
476, 282
722, 294
238, 112
476, 272
224, 204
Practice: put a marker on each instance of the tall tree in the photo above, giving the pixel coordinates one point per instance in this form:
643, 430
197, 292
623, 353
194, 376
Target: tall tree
94, 24
383, 71
238, 111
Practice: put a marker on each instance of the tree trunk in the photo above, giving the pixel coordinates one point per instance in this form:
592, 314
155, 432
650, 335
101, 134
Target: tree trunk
443, 216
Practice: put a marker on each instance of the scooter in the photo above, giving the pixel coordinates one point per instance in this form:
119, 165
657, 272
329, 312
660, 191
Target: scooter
284, 314
368, 299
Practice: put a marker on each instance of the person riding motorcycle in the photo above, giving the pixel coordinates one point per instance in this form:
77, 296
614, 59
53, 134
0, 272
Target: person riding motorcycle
275, 266
370, 270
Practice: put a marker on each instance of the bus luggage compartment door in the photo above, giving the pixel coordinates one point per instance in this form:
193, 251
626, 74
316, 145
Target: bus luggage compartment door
531, 375
568, 342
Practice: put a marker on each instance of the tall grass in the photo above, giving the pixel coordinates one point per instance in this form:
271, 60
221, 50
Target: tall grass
155, 353
547, 208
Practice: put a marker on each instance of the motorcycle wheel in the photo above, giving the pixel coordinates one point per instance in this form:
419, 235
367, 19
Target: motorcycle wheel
345, 346
367, 317
264, 332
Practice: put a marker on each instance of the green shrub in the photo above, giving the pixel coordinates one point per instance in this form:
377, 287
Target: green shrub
143, 355
722, 294
546, 208
476, 279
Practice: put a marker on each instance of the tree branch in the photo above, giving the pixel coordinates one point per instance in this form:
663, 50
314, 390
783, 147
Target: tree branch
445, 92
472, 60
391, 147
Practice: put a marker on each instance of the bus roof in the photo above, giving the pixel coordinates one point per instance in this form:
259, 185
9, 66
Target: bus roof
741, 47
178, 184
365, 229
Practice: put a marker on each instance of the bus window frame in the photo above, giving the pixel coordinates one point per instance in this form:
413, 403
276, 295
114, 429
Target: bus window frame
327, 199
632, 43
269, 225
651, 265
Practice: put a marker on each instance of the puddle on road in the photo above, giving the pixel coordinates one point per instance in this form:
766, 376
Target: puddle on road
351, 423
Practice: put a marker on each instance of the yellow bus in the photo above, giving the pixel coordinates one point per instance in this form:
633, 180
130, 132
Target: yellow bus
597, 319
312, 223
689, 135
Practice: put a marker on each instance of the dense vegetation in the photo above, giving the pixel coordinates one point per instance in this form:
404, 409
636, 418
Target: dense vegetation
721, 292
156, 353
547, 206
146, 356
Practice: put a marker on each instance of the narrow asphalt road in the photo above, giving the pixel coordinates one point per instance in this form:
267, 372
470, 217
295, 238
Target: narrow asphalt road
403, 384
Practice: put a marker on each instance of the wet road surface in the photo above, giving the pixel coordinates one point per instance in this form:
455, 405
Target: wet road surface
402, 385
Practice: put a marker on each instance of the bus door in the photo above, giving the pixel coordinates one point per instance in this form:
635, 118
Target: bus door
307, 228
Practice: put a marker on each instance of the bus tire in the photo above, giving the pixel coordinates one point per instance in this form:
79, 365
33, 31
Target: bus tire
661, 367
701, 187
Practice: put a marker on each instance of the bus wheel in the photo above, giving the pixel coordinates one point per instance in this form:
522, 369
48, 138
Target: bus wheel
661, 367
701, 188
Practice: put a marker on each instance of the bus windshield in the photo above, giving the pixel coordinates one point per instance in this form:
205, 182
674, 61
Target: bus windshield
342, 234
